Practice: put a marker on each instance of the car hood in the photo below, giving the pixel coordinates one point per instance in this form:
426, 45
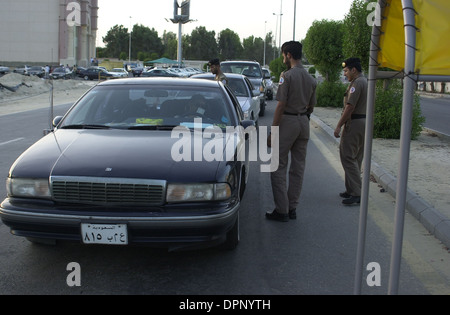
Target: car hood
118, 154
244, 102
255, 81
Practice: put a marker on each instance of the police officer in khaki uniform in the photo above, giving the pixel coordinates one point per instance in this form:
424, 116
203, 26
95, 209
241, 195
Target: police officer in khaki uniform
353, 120
296, 98
215, 69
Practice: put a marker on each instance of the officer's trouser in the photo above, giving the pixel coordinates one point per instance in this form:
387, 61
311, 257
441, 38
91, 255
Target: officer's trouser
293, 138
351, 150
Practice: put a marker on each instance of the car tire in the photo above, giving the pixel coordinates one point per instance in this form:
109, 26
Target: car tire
86, 77
262, 109
232, 237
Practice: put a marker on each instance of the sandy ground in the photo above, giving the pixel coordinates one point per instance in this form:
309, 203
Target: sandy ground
429, 166
429, 163
35, 93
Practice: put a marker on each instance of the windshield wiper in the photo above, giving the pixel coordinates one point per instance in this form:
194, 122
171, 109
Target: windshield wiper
153, 127
85, 126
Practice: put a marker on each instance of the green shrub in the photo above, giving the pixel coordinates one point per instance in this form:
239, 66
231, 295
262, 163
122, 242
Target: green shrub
330, 94
388, 112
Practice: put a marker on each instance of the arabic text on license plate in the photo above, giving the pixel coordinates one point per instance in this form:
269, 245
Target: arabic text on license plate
110, 234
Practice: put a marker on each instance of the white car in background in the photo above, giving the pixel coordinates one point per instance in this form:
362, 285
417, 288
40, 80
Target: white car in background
119, 73
245, 92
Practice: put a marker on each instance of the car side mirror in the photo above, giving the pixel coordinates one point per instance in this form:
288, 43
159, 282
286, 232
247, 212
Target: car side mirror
57, 120
256, 92
247, 123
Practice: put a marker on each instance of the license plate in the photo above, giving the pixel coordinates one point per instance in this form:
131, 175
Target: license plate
109, 234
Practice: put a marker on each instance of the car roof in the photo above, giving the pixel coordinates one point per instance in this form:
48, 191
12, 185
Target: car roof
161, 81
227, 74
241, 61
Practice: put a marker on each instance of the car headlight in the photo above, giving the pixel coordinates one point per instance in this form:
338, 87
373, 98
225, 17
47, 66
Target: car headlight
197, 192
28, 187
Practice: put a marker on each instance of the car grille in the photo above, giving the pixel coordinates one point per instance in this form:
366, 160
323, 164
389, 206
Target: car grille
108, 191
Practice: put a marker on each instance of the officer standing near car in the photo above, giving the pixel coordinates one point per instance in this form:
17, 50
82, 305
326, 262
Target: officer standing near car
296, 98
215, 69
353, 120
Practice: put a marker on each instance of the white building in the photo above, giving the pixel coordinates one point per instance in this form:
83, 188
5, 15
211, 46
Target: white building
48, 32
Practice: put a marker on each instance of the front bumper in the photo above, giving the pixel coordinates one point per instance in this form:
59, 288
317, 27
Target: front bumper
169, 226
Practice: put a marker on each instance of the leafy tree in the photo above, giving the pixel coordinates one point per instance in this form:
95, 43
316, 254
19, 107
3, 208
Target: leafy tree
277, 67
229, 45
170, 45
357, 33
203, 44
116, 41
323, 47
145, 40
253, 49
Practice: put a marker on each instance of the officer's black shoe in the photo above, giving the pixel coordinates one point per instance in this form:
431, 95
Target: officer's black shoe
275, 216
292, 214
345, 195
353, 200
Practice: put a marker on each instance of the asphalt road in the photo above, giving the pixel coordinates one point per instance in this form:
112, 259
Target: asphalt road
437, 113
314, 254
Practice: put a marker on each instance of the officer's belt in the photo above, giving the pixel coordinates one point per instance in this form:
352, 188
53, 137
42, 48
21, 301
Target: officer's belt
292, 114
358, 116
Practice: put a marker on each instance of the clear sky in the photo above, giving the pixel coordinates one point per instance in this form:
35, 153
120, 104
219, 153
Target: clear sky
245, 17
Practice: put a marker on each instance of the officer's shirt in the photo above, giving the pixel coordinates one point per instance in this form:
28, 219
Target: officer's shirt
297, 88
356, 95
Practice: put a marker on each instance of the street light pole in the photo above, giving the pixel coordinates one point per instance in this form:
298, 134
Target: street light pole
295, 16
281, 15
129, 45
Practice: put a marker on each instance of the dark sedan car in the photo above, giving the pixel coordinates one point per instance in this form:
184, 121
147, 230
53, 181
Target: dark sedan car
134, 161
95, 73
37, 71
61, 73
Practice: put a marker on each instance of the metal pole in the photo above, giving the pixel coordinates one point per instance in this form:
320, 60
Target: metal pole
373, 69
281, 14
405, 142
295, 16
129, 45
180, 47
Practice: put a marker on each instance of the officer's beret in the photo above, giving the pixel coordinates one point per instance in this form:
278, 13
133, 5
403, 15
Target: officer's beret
214, 62
351, 62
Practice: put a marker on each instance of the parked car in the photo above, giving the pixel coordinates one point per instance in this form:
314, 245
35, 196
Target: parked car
137, 71
252, 70
61, 73
159, 73
244, 91
119, 72
22, 70
37, 71
80, 71
113, 171
269, 83
96, 73
4, 70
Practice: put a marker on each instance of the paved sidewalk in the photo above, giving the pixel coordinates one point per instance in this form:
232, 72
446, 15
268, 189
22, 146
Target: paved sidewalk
428, 180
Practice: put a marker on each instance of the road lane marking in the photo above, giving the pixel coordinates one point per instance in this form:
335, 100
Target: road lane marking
11, 141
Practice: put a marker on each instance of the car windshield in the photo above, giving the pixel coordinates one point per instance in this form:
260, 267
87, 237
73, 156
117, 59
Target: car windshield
149, 108
238, 87
247, 69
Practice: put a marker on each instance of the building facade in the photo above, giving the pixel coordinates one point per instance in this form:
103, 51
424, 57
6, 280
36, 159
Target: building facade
48, 32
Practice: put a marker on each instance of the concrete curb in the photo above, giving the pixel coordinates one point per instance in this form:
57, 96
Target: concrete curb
434, 221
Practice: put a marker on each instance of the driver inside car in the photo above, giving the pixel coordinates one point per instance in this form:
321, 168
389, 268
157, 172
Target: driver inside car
196, 107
